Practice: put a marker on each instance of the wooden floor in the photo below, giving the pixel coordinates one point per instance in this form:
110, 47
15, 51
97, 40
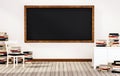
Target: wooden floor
53, 69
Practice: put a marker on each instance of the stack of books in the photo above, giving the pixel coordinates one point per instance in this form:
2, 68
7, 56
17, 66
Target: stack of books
2, 46
3, 36
113, 39
116, 67
3, 57
28, 56
101, 43
15, 50
3, 53
103, 68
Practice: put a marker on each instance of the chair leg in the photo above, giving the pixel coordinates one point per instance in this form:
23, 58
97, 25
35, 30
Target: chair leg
16, 61
23, 61
13, 62
7, 61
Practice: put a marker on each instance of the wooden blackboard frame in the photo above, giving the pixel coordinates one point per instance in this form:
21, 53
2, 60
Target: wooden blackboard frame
55, 41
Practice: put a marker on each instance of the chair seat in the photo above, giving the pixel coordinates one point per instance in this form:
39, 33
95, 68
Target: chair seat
16, 54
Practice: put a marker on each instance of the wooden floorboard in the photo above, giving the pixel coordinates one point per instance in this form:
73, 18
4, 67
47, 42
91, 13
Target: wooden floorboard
53, 69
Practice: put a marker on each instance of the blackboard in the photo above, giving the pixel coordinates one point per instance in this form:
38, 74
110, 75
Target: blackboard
59, 23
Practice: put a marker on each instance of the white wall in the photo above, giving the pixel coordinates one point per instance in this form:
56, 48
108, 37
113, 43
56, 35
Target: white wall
107, 16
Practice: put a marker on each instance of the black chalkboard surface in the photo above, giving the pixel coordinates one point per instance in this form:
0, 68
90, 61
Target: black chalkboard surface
59, 23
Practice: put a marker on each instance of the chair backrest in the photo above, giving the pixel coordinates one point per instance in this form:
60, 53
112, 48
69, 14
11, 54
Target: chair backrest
12, 47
